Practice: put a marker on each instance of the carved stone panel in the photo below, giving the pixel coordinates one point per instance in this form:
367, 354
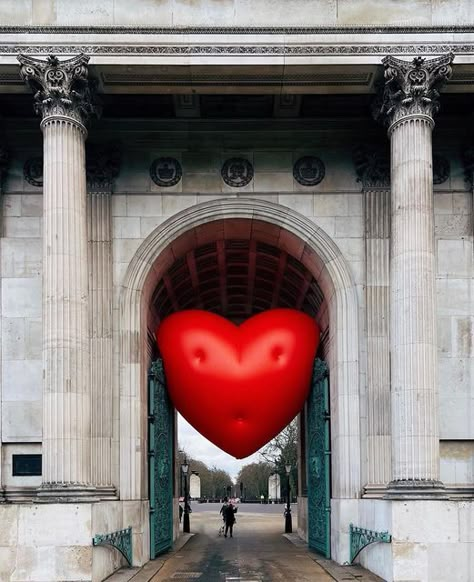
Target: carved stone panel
237, 172
309, 171
441, 169
33, 171
166, 172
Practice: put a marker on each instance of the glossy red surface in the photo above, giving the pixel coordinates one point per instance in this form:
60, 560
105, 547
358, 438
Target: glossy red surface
239, 386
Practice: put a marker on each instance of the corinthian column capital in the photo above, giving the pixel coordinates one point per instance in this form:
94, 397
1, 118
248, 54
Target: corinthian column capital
412, 88
102, 167
61, 88
372, 166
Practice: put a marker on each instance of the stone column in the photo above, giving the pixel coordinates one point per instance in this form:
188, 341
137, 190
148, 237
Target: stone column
372, 164
63, 99
3, 167
103, 166
410, 101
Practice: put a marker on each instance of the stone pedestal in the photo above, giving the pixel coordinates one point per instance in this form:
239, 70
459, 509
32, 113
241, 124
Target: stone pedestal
410, 101
62, 98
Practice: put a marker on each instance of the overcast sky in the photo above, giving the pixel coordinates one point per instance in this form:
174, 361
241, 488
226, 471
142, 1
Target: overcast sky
203, 450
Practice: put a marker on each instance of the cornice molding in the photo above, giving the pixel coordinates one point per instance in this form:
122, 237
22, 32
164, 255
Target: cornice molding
245, 30
240, 49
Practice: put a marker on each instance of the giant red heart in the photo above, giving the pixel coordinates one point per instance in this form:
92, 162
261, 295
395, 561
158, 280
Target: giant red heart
239, 386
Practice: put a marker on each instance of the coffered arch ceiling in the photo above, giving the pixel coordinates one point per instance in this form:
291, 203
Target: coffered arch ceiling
236, 278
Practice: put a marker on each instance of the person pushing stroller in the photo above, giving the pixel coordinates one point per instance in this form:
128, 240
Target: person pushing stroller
228, 512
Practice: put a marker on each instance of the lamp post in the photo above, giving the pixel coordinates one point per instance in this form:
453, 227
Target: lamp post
288, 520
185, 469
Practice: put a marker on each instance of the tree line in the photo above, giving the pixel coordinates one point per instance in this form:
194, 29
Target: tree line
252, 480
214, 482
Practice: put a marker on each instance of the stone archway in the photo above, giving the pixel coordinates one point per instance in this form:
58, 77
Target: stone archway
314, 249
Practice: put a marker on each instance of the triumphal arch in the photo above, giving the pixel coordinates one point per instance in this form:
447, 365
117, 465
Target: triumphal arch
234, 157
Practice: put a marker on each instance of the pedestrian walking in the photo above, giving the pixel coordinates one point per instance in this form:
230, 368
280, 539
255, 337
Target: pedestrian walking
228, 513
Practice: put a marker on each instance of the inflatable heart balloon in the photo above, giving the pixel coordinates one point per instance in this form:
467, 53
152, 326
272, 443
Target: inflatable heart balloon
239, 386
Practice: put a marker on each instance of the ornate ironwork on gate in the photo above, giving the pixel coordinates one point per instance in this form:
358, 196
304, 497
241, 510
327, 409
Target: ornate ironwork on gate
160, 452
318, 462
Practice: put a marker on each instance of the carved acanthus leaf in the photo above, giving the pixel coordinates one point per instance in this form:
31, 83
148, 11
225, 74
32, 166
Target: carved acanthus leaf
372, 166
60, 87
413, 87
102, 166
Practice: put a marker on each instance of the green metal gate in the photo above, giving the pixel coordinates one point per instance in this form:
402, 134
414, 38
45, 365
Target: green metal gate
318, 462
160, 453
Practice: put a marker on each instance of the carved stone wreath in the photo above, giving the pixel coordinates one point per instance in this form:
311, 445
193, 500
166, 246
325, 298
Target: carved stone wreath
237, 172
309, 171
166, 172
441, 169
33, 171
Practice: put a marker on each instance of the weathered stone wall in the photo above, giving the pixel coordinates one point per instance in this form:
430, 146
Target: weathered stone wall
139, 206
21, 250
237, 13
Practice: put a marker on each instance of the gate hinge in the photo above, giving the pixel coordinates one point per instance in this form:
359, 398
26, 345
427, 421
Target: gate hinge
151, 453
151, 418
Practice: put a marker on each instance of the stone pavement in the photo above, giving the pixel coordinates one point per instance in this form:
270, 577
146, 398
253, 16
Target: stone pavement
258, 552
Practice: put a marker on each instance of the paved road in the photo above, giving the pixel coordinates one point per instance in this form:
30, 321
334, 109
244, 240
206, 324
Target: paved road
265, 508
258, 552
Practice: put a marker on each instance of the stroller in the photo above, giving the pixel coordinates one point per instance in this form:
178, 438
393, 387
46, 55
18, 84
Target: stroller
221, 529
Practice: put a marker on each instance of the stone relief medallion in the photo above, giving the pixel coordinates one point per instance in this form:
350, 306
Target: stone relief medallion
309, 171
237, 172
33, 171
441, 169
166, 172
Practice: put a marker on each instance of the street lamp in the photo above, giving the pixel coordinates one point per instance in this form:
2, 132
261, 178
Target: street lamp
185, 469
288, 521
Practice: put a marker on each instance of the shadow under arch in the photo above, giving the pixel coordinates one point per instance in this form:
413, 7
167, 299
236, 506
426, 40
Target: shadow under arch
318, 253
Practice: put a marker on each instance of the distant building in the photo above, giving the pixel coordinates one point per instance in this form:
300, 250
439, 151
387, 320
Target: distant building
274, 491
195, 486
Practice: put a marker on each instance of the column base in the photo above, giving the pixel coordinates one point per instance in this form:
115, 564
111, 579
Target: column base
67, 493
415, 489
106, 492
374, 491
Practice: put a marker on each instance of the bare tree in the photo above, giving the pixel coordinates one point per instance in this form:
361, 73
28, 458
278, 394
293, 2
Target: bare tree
282, 451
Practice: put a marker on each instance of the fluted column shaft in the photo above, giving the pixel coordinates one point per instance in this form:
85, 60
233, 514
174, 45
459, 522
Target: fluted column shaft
66, 406
63, 99
415, 433
372, 165
377, 213
100, 322
3, 167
